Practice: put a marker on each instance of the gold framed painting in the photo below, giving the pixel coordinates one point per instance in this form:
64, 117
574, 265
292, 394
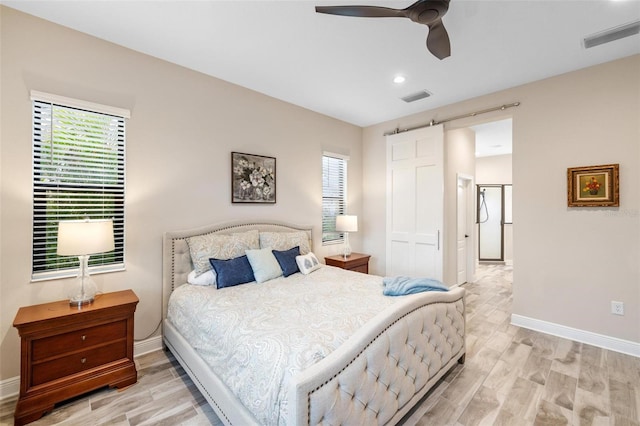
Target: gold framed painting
594, 186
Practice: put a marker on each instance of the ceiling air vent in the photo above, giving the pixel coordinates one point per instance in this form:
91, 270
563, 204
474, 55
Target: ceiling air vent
416, 96
612, 34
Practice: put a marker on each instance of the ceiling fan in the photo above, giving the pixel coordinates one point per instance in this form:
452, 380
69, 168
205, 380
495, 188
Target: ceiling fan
426, 12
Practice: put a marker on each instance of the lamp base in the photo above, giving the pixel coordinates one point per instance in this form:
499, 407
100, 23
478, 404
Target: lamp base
84, 289
80, 301
346, 249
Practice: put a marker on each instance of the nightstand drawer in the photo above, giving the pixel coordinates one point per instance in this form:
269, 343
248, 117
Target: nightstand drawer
79, 339
77, 362
361, 268
356, 262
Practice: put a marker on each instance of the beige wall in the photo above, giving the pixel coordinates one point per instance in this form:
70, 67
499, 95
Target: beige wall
568, 263
496, 169
182, 129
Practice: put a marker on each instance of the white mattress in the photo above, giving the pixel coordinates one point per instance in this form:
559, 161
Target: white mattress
256, 336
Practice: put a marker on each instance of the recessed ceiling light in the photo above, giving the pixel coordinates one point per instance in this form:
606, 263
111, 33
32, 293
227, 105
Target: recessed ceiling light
399, 79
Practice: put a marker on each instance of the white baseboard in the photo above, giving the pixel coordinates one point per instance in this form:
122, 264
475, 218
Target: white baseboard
595, 339
11, 387
148, 345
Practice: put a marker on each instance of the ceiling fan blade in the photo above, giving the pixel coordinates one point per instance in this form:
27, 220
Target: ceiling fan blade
438, 40
425, 12
362, 11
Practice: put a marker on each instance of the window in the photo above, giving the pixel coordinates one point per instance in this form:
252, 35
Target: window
334, 181
78, 173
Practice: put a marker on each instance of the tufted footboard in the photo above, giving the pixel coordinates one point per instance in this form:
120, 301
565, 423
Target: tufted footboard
382, 372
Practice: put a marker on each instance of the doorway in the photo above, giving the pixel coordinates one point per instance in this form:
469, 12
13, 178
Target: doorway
494, 142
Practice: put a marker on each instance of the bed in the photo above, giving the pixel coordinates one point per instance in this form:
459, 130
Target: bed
373, 374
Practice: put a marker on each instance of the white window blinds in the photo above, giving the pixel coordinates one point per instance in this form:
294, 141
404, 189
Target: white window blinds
78, 173
334, 180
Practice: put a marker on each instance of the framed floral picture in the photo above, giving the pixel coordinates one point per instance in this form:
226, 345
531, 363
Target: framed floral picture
594, 186
253, 178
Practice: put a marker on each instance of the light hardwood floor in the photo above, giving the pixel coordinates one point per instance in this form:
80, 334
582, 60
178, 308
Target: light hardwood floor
512, 376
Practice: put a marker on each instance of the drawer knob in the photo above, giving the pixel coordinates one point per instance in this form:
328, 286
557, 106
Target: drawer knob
83, 360
84, 338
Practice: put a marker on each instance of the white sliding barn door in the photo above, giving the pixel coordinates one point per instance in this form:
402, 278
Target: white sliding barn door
415, 203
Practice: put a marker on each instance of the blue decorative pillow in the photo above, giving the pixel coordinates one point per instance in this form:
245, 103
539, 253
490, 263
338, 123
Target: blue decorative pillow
287, 260
264, 264
232, 271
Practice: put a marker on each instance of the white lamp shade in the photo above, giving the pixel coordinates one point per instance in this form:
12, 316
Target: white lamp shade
84, 237
346, 223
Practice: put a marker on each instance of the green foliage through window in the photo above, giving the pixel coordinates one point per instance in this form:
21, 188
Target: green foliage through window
78, 173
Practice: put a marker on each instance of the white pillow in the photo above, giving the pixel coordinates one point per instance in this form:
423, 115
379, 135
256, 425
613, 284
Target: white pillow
207, 278
307, 263
264, 264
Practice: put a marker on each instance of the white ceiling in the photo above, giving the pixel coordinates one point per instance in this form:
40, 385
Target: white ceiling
494, 138
342, 66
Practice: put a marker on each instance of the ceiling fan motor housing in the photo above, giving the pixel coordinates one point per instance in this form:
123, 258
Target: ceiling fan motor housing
427, 11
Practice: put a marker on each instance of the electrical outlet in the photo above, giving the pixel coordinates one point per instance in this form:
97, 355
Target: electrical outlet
617, 308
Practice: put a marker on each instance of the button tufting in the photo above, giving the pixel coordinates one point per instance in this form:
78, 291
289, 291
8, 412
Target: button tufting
431, 336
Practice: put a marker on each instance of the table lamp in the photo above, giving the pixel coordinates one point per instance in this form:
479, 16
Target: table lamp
346, 223
83, 238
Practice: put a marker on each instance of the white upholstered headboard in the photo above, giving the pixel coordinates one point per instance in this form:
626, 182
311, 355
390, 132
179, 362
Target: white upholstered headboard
176, 259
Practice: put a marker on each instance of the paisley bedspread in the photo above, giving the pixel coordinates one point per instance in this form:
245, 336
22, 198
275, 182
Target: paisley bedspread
255, 337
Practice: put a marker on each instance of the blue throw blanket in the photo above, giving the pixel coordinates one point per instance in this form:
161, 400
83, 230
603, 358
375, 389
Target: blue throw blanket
399, 286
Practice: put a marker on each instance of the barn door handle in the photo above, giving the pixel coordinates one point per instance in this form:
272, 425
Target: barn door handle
438, 240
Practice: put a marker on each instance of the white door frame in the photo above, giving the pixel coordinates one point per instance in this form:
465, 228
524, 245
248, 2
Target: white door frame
467, 183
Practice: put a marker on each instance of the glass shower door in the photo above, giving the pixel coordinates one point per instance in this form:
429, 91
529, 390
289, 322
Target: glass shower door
490, 220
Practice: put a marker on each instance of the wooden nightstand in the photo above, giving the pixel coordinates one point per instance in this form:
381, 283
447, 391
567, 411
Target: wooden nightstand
66, 351
355, 262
